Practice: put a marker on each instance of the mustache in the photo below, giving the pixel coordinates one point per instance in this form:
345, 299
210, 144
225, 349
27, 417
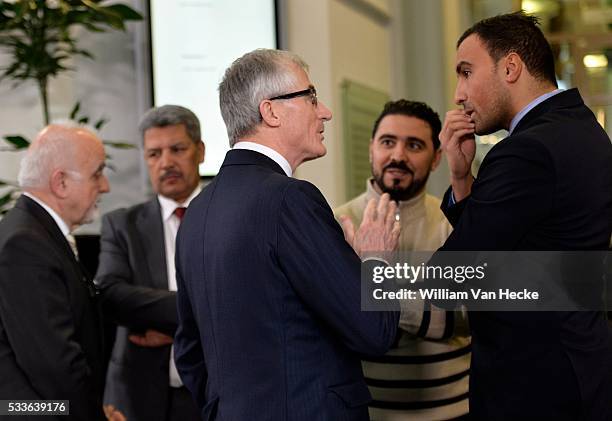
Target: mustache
399, 165
170, 173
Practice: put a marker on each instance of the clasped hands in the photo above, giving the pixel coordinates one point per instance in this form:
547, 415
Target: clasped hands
151, 339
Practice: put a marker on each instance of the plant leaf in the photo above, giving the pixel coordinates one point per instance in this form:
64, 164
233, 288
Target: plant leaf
19, 142
100, 123
75, 110
6, 198
125, 12
119, 145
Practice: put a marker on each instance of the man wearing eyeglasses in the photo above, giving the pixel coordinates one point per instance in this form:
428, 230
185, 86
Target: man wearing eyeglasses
270, 324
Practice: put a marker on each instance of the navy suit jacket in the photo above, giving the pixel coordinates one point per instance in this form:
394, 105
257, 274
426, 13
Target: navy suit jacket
548, 186
270, 324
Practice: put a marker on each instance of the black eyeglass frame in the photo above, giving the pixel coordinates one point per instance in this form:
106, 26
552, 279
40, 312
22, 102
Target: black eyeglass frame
310, 91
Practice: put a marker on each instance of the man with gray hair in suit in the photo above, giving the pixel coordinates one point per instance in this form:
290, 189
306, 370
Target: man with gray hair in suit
137, 275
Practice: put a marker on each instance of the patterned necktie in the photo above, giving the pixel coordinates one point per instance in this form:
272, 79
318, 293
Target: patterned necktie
73, 245
180, 212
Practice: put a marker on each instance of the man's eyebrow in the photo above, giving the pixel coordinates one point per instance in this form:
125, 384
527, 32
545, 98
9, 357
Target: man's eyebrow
460, 66
387, 135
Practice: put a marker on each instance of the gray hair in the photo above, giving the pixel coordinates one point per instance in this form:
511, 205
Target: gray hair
169, 115
258, 75
53, 148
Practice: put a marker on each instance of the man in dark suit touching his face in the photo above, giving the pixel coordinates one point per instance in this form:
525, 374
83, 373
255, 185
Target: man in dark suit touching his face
547, 186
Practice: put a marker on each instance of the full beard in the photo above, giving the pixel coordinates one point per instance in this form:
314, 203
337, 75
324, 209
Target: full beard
398, 193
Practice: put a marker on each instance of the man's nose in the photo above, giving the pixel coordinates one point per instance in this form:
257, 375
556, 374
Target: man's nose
460, 96
398, 153
166, 159
104, 185
324, 112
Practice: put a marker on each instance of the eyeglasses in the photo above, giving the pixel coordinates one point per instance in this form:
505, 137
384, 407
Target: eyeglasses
310, 91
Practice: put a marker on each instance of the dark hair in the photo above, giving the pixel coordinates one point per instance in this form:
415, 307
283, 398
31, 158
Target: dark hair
516, 33
416, 109
169, 115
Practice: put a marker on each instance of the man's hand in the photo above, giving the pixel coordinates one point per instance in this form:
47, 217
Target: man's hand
379, 231
151, 338
457, 140
112, 414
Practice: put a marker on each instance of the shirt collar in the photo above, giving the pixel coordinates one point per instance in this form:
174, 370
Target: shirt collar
269, 152
58, 220
168, 206
517, 118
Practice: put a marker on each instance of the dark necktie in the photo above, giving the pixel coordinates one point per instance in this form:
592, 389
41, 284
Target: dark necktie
180, 212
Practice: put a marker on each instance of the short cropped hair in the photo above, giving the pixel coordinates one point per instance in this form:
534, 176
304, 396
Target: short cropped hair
516, 33
415, 109
254, 77
170, 115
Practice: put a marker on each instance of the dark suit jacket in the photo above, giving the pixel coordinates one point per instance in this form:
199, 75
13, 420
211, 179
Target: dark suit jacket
548, 186
133, 278
269, 301
50, 337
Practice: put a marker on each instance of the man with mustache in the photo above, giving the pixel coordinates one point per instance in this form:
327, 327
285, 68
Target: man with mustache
50, 327
404, 149
137, 275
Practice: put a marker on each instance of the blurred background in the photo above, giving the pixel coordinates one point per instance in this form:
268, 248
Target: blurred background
361, 53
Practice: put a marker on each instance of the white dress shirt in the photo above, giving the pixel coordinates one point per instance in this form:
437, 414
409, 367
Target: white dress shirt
269, 152
58, 220
171, 224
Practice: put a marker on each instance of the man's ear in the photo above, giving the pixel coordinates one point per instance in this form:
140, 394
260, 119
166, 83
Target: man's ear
512, 67
268, 113
436, 160
201, 148
370, 149
58, 183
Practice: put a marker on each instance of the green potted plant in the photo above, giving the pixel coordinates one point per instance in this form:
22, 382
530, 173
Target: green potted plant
38, 36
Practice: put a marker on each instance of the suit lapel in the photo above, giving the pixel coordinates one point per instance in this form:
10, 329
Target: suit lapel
151, 232
47, 222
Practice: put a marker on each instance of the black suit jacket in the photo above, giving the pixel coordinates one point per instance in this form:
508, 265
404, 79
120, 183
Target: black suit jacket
269, 301
548, 186
50, 331
132, 276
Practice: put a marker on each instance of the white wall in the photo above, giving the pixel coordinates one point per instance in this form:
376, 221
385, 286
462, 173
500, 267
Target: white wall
340, 39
